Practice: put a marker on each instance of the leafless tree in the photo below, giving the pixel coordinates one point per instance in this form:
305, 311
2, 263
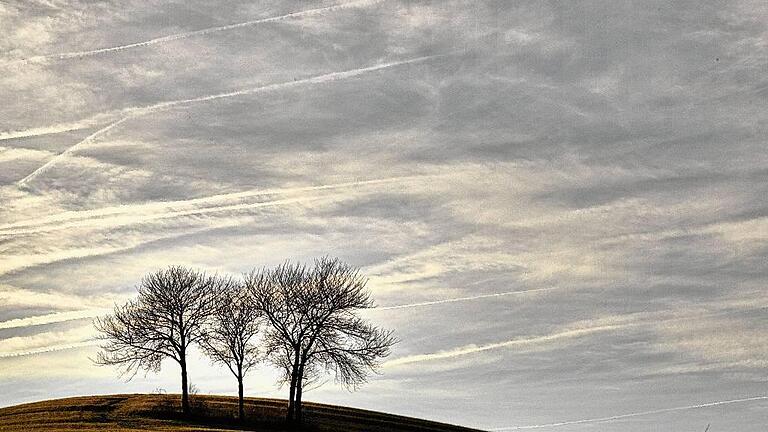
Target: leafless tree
313, 326
231, 332
165, 319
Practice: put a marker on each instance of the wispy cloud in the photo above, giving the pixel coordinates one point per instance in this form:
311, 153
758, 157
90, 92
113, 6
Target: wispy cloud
575, 330
634, 414
127, 215
15, 297
317, 79
195, 33
115, 117
139, 213
46, 341
14, 263
53, 318
135, 112
48, 349
576, 165
52, 129
474, 349
462, 299
89, 139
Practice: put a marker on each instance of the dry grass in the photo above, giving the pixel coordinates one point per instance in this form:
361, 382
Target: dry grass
211, 413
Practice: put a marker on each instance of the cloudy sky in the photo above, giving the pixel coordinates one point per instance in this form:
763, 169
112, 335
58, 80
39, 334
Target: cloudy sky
585, 181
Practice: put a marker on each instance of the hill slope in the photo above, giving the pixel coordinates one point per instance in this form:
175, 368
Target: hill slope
212, 413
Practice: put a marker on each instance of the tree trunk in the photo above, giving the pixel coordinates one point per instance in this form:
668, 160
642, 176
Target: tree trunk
240, 404
292, 394
299, 386
184, 387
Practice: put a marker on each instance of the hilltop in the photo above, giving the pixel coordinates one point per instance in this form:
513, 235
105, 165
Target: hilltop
142, 412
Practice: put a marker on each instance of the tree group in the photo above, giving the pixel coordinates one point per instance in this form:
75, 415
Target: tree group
301, 319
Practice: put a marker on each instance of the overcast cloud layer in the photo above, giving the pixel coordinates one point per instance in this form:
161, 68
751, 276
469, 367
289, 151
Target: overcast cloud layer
608, 158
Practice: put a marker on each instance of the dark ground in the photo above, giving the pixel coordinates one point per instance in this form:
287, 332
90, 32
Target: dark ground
139, 412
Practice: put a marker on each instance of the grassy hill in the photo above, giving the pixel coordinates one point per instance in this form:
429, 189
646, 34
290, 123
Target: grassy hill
140, 412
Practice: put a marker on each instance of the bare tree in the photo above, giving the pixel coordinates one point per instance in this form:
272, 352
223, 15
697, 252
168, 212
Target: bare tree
164, 320
313, 325
231, 332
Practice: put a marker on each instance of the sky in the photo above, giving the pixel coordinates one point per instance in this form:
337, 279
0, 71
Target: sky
560, 206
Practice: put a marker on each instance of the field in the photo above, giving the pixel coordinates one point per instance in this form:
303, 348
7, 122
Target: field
140, 412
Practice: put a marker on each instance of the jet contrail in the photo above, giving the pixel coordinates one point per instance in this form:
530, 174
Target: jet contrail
52, 129
53, 318
99, 119
48, 349
16, 263
318, 79
166, 209
134, 112
630, 415
185, 35
472, 349
110, 116
461, 299
597, 326
90, 138
19, 298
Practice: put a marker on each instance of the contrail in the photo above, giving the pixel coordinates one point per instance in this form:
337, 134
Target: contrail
15, 264
635, 414
90, 138
598, 326
201, 32
110, 116
130, 113
472, 349
48, 349
168, 209
461, 299
52, 318
52, 129
318, 79
19, 298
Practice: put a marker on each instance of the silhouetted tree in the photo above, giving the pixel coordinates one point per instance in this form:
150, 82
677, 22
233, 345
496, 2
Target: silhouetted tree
313, 327
164, 320
231, 332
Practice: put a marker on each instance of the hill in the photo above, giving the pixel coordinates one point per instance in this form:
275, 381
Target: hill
140, 412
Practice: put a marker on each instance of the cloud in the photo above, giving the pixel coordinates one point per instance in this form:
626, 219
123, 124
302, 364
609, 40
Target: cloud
579, 329
53, 318
196, 33
607, 159
134, 112
48, 349
19, 298
635, 414
164, 222
461, 299
15, 154
473, 349
717, 342
228, 209
15, 263
52, 129
160, 210
46, 341
90, 138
